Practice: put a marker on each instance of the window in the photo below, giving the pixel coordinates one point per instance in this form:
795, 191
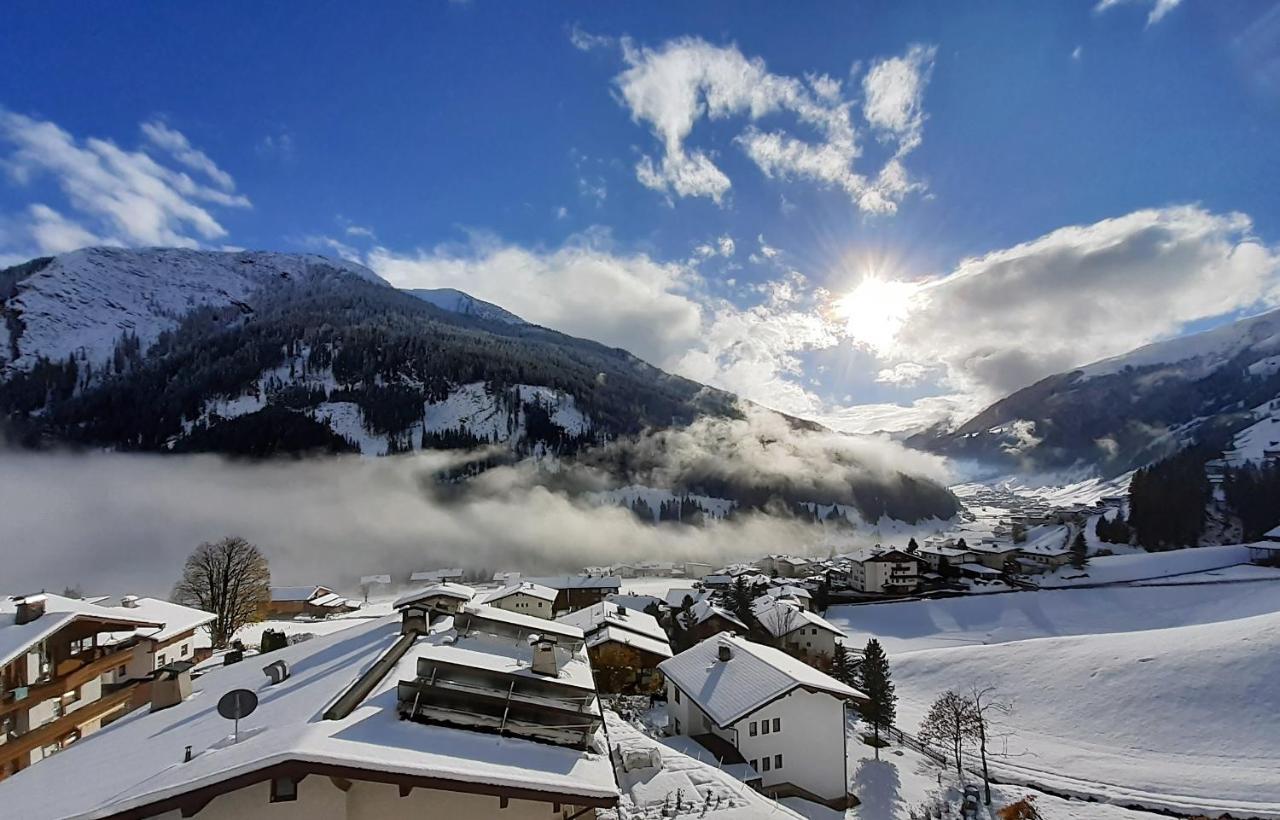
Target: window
677, 725
777, 724
752, 729
777, 761
764, 727
755, 764
186, 650
677, 694
766, 764
121, 670
160, 660
283, 790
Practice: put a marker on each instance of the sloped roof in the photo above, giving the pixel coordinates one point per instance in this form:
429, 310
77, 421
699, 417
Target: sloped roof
176, 618
645, 643
525, 588
579, 581
781, 618
143, 752
59, 612
298, 593
753, 676
704, 610
602, 615
444, 589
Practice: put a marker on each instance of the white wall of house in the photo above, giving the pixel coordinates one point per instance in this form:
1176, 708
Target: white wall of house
525, 605
812, 640
320, 799
810, 739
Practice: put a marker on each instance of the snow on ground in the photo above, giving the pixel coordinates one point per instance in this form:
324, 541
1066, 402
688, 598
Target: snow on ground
656, 587
655, 497
1244, 573
347, 420
1252, 442
990, 619
1056, 491
251, 635
475, 407
1113, 569
1178, 718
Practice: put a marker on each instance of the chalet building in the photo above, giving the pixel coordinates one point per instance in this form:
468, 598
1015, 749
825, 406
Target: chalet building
892, 571
54, 654
785, 719
579, 591
697, 570
993, 554
625, 647
309, 600
1038, 558
477, 713
797, 630
706, 619
933, 556
154, 648
524, 597
793, 592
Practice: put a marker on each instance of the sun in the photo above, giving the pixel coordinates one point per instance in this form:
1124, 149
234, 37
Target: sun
875, 311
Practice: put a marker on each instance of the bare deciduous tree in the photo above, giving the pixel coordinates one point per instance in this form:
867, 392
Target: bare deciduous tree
986, 705
950, 724
229, 578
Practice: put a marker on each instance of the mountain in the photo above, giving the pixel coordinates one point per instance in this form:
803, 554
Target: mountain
1127, 411
458, 302
261, 354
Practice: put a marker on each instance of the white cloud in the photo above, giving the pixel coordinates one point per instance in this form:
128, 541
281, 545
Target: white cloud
674, 86
360, 231
118, 196
1077, 53
1159, 8
1078, 294
177, 144
585, 41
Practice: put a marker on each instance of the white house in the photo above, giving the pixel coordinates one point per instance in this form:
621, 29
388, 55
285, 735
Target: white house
463, 719
525, 597
891, 571
797, 629
785, 718
154, 648
436, 575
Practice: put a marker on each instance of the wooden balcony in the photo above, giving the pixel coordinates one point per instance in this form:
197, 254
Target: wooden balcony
56, 730
71, 672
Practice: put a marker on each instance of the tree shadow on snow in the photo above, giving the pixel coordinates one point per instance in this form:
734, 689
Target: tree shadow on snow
876, 785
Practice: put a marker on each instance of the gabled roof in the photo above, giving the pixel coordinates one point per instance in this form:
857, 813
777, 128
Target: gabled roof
143, 752
675, 596
612, 634
524, 588
176, 618
705, 610
891, 556
754, 676
559, 582
529, 623
781, 618
445, 589
604, 615
59, 612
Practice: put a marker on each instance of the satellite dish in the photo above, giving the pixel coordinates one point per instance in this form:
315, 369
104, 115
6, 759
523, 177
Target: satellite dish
236, 704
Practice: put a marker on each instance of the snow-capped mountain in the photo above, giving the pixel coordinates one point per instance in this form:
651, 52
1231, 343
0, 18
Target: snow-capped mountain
466, 304
260, 354
1126, 411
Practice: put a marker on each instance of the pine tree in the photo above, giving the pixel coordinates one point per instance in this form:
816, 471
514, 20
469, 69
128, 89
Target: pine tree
1079, 551
912, 546
877, 685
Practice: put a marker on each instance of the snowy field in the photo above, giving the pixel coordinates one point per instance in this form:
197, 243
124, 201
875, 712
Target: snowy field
949, 622
1159, 696
1115, 569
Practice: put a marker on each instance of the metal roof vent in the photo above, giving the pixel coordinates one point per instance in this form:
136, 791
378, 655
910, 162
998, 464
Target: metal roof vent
130, 601
544, 658
277, 671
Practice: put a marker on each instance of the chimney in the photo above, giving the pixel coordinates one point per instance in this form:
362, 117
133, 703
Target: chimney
29, 607
544, 657
129, 601
233, 656
724, 652
171, 686
622, 611
278, 671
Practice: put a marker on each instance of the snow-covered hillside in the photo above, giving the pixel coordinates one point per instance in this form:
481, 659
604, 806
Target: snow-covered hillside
82, 302
456, 301
1202, 353
1180, 718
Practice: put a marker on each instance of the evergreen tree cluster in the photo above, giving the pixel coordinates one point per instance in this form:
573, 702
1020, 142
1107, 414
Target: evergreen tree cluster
1167, 500
1115, 530
1253, 493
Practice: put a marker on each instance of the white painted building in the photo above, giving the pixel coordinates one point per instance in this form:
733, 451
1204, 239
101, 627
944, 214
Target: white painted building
154, 648
891, 571
785, 718
797, 629
525, 597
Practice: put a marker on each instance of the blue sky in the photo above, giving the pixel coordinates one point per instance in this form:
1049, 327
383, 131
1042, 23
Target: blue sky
1082, 155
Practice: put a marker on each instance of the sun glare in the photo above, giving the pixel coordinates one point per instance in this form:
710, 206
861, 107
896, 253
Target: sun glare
875, 310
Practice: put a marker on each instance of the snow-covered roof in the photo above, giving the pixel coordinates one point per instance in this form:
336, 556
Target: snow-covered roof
298, 593
612, 634
675, 596
524, 588
444, 589
437, 574
790, 590
704, 610
753, 676
531, 623
601, 615
176, 618
781, 618
579, 581
15, 638
1272, 533
143, 752
979, 569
